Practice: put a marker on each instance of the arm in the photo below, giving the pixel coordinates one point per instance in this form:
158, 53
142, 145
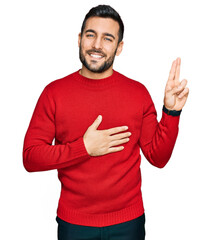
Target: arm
157, 140
38, 152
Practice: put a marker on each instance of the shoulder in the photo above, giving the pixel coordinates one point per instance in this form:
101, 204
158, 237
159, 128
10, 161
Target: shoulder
132, 83
61, 83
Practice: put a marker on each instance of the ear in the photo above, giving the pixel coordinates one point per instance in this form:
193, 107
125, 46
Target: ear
79, 39
119, 49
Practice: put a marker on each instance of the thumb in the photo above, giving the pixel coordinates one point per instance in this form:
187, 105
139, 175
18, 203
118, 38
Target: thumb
172, 91
179, 88
97, 122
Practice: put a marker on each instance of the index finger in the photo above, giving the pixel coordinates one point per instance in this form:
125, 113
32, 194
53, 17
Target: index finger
114, 130
172, 71
177, 71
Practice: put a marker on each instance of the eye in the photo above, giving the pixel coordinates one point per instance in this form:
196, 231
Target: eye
90, 35
108, 39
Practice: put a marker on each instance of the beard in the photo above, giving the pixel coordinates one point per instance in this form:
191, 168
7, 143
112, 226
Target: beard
92, 67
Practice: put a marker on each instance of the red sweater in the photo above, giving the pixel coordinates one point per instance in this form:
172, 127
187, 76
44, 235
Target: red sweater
103, 190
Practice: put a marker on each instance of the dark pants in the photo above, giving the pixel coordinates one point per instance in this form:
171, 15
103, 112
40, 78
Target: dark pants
130, 230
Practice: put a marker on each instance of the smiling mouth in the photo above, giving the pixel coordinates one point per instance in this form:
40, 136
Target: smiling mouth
96, 55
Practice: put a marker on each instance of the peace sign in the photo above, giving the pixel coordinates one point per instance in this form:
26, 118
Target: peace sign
176, 92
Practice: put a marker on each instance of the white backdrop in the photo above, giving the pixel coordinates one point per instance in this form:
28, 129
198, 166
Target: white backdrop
39, 45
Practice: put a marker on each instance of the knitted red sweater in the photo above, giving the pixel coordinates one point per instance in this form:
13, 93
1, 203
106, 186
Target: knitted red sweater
103, 190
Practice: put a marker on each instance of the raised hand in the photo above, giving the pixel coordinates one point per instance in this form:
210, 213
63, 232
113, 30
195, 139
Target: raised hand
100, 142
176, 92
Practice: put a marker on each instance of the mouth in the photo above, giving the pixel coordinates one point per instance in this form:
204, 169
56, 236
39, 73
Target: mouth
96, 56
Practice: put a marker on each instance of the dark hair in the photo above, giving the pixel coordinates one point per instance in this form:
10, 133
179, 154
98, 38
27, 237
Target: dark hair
105, 11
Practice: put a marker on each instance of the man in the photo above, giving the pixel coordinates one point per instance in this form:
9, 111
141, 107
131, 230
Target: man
100, 119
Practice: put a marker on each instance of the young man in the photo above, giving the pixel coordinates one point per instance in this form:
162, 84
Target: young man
100, 119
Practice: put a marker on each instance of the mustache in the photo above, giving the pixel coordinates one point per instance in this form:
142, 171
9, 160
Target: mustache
95, 51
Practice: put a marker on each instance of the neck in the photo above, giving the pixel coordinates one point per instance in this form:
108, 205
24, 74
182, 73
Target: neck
87, 73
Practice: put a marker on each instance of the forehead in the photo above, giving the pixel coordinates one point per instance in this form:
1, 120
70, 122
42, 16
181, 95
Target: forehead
102, 25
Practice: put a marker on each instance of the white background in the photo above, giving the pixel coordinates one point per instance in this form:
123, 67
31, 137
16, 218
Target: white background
39, 45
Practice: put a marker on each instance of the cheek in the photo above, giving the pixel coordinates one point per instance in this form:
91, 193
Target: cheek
86, 45
110, 48
110, 52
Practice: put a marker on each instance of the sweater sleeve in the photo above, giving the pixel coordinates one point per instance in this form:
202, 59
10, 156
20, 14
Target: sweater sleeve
38, 152
157, 139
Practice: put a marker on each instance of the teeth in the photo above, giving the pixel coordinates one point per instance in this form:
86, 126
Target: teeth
96, 56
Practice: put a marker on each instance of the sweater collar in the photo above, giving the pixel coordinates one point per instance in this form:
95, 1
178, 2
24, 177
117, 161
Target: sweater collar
97, 83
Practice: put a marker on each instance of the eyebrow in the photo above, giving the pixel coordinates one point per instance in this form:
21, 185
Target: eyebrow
106, 34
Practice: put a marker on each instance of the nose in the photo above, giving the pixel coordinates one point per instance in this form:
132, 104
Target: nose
97, 43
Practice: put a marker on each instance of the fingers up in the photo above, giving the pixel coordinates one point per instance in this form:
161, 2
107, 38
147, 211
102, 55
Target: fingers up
175, 72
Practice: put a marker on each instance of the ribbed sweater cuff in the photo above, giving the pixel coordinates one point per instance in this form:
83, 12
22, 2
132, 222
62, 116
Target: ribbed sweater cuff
169, 120
78, 149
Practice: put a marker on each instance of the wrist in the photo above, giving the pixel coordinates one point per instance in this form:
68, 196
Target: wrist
171, 112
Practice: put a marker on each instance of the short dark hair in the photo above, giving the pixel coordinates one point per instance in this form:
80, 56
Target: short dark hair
105, 11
